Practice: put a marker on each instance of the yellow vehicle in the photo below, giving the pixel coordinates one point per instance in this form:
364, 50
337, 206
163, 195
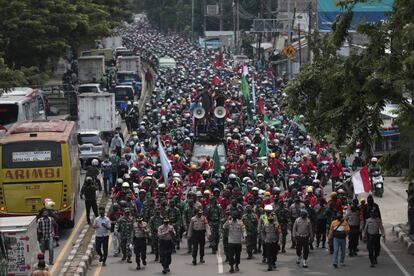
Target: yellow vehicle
39, 160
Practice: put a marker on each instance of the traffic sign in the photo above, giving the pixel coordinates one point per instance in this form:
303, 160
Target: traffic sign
289, 51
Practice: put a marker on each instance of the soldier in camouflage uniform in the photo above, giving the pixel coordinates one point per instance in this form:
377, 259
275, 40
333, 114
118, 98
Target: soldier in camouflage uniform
282, 214
213, 213
250, 222
225, 236
155, 222
189, 212
173, 213
125, 229
147, 212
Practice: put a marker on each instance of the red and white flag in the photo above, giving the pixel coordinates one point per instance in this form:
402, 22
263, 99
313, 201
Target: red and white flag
361, 181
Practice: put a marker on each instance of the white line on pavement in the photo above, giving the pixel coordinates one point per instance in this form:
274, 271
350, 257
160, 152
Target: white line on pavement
219, 261
392, 256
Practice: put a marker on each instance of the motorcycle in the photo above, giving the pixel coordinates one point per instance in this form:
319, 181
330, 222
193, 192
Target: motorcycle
377, 184
322, 175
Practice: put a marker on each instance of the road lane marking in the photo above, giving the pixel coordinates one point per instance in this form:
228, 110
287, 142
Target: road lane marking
68, 243
99, 268
219, 261
392, 256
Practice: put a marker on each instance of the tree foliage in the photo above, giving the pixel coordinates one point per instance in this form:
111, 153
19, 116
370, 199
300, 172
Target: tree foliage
342, 97
34, 34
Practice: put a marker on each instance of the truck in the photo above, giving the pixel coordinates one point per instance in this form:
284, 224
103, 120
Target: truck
128, 63
108, 53
97, 112
20, 245
91, 68
112, 42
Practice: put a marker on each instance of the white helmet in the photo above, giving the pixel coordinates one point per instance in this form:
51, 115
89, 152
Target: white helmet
176, 175
268, 208
133, 169
95, 162
374, 159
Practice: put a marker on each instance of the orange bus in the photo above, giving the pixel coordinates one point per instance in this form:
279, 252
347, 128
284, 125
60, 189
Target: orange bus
39, 160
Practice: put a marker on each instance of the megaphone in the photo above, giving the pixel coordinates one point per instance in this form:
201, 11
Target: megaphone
220, 112
199, 112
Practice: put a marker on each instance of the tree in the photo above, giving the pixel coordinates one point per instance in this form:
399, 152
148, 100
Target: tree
343, 97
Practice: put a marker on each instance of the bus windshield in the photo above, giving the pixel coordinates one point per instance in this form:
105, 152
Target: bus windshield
31, 154
8, 113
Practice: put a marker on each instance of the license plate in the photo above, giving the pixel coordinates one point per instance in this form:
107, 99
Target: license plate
86, 149
33, 201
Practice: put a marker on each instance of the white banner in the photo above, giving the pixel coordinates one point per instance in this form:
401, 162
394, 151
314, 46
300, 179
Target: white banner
32, 156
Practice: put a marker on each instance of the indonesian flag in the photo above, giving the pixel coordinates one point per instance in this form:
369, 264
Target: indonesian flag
361, 182
260, 105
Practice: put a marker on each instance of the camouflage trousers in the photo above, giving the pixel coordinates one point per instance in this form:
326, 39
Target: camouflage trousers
126, 250
215, 235
251, 243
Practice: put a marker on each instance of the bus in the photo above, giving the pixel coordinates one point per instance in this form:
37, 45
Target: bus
21, 104
39, 160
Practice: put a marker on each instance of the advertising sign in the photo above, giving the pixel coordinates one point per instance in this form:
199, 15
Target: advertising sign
368, 12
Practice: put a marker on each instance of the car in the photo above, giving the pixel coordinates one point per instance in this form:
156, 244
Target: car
203, 149
91, 88
91, 146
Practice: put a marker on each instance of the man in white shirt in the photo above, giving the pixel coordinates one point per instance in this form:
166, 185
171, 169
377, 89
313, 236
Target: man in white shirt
102, 226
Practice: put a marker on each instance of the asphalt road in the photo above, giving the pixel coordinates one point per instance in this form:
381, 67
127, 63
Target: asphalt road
393, 260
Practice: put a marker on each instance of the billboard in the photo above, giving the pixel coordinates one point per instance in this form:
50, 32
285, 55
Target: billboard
367, 12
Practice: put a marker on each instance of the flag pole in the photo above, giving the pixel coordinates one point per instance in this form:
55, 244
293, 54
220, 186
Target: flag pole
254, 95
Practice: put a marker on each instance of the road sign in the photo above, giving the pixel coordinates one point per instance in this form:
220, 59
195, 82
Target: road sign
289, 51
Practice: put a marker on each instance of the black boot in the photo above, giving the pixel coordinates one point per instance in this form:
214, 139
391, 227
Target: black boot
231, 269
202, 260
194, 261
237, 267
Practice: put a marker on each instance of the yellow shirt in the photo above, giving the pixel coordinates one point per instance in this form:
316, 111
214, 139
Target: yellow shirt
344, 226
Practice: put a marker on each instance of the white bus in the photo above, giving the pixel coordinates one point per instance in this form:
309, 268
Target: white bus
21, 104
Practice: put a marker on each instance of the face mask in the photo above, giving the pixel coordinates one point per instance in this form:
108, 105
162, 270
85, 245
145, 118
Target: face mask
271, 220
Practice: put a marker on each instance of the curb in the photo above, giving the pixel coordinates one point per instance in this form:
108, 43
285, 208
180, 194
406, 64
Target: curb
404, 238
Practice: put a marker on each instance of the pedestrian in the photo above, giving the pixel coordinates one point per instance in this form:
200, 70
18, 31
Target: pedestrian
41, 270
125, 229
88, 191
141, 233
154, 223
102, 226
372, 234
338, 231
302, 232
189, 212
321, 217
353, 215
268, 209
197, 234
294, 213
282, 215
270, 237
237, 234
106, 170
213, 213
250, 222
166, 234
45, 233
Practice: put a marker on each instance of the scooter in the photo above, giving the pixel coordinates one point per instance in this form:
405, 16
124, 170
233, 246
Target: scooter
377, 184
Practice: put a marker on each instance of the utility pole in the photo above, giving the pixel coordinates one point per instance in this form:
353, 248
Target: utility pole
204, 17
192, 17
235, 26
309, 30
300, 48
221, 15
238, 24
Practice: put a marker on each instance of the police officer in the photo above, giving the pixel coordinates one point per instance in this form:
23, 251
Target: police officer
189, 212
270, 236
88, 191
213, 217
282, 215
155, 222
197, 234
125, 229
372, 234
353, 216
237, 233
250, 222
268, 209
141, 233
301, 232
166, 234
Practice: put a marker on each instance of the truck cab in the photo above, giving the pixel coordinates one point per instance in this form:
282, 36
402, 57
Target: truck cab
123, 95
